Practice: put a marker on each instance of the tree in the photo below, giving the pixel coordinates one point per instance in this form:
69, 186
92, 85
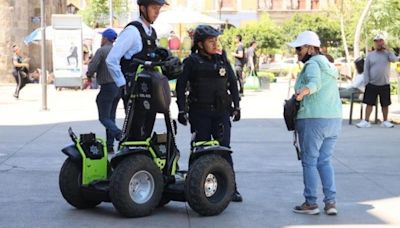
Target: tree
327, 29
265, 32
358, 30
97, 11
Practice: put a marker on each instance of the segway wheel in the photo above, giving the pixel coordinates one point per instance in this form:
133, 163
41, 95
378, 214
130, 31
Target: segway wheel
136, 186
209, 185
70, 180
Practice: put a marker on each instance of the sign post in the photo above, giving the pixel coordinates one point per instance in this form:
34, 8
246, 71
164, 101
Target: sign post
43, 77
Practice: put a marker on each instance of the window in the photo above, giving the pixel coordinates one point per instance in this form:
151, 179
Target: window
314, 4
265, 4
226, 5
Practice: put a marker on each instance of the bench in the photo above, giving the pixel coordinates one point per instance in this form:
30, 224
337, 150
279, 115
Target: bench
355, 97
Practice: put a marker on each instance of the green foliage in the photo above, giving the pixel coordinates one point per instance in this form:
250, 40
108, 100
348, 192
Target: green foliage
384, 16
394, 90
267, 34
97, 11
265, 74
327, 28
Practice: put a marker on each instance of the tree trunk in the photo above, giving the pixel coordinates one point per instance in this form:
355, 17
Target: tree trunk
346, 48
360, 24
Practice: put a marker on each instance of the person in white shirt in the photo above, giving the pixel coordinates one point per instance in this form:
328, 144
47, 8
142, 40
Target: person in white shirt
358, 85
135, 41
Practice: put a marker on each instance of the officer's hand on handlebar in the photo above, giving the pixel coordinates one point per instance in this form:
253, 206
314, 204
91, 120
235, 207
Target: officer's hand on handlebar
235, 114
182, 118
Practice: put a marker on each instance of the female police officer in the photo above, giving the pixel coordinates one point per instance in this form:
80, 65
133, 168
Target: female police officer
212, 90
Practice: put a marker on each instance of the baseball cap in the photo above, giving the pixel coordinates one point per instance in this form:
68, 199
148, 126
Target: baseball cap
379, 37
306, 38
110, 34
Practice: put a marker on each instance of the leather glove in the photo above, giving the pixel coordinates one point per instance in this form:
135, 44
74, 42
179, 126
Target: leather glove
236, 114
182, 118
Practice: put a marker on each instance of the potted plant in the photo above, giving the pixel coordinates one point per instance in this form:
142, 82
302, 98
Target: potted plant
266, 78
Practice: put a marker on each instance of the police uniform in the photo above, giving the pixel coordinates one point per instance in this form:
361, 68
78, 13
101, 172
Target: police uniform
136, 41
212, 90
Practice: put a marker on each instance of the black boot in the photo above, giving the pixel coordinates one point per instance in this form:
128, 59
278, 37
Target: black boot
236, 197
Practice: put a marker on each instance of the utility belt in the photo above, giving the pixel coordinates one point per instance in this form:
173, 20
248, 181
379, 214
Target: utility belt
222, 102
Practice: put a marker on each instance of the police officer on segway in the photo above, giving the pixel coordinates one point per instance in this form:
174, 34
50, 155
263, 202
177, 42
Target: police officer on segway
212, 90
137, 40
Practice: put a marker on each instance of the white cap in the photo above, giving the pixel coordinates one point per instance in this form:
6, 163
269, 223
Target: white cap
379, 37
306, 38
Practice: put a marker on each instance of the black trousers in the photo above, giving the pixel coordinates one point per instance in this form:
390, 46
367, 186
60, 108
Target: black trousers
239, 76
212, 125
21, 78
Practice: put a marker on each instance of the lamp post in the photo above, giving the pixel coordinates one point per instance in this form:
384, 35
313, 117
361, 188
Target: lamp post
43, 76
111, 12
221, 4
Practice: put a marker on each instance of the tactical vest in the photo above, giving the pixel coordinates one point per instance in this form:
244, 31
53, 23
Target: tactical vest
149, 44
209, 83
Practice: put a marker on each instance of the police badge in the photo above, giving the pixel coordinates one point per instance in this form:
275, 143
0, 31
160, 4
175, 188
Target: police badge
222, 72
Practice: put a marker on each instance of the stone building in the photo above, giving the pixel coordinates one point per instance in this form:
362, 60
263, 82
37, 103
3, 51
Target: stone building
17, 19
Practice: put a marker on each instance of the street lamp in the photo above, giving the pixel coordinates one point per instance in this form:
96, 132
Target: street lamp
43, 55
221, 4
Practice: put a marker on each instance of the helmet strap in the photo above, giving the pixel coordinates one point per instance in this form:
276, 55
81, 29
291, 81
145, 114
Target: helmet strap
145, 15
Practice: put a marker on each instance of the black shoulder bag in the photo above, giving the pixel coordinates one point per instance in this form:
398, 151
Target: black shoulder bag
290, 109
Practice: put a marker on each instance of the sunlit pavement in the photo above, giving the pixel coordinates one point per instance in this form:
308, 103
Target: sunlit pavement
367, 164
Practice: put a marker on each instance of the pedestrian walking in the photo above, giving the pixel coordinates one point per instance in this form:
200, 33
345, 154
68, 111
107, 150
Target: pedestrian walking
110, 94
20, 70
252, 57
213, 89
377, 77
318, 122
240, 62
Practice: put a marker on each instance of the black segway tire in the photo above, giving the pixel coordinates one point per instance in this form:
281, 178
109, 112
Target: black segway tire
69, 181
136, 186
212, 198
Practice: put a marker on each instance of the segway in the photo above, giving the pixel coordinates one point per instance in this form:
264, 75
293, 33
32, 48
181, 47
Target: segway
144, 173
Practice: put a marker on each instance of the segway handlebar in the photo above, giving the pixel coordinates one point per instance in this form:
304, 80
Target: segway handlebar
149, 63
72, 135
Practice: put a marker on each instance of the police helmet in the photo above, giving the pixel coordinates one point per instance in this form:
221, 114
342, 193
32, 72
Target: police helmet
202, 32
148, 2
172, 68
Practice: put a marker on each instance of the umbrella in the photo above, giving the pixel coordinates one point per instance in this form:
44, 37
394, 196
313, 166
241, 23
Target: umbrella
36, 35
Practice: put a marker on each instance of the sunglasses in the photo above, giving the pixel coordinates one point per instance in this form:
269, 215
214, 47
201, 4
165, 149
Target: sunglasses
298, 49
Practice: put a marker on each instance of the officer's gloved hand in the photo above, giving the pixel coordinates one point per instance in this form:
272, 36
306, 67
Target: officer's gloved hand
182, 118
235, 114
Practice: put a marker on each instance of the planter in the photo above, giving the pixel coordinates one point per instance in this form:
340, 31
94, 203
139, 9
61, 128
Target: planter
264, 83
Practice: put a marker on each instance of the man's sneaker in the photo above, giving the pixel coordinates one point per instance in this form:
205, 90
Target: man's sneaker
363, 124
330, 209
387, 124
307, 209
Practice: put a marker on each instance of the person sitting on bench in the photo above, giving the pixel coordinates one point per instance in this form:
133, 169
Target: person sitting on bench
358, 85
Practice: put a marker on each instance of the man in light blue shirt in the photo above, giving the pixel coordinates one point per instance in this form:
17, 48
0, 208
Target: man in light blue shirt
135, 41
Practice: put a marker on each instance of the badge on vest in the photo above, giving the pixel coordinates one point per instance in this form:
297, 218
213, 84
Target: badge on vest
222, 72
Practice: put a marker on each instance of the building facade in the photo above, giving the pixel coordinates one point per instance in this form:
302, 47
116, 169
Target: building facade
237, 12
17, 19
